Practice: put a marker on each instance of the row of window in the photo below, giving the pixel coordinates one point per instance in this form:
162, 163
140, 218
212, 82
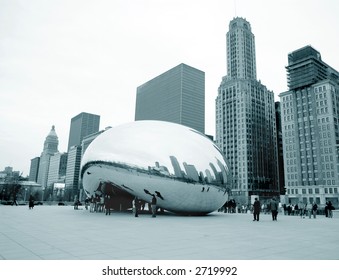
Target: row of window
313, 191
319, 89
311, 182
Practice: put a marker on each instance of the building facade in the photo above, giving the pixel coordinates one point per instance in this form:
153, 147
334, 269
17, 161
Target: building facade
281, 173
310, 121
177, 96
57, 169
81, 126
245, 119
72, 173
87, 140
34, 169
50, 148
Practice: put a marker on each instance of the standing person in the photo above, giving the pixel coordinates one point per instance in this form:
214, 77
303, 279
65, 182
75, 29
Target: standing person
14, 200
92, 204
309, 210
86, 203
107, 204
329, 209
274, 209
135, 206
295, 209
31, 202
314, 209
301, 207
154, 206
256, 209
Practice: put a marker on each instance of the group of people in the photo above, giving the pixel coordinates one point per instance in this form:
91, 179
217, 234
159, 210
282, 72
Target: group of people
302, 209
95, 203
229, 207
103, 204
273, 205
136, 206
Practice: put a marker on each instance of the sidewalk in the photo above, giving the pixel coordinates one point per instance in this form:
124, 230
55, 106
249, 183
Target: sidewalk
61, 233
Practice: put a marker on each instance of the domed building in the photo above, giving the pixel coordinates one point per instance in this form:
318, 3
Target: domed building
50, 148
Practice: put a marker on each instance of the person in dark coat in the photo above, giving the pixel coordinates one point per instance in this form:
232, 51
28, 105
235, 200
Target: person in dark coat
107, 202
274, 209
31, 202
154, 206
256, 209
329, 207
136, 206
314, 209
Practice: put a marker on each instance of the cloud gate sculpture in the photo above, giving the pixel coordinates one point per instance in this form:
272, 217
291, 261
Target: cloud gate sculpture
180, 166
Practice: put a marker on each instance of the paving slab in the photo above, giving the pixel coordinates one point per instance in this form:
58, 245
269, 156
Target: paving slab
62, 233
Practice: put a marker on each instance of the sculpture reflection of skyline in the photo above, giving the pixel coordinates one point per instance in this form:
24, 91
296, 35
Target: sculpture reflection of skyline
191, 174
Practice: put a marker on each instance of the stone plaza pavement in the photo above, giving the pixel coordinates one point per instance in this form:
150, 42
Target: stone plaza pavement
62, 233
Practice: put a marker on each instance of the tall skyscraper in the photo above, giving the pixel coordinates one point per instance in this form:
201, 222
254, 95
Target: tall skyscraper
310, 128
281, 174
245, 119
57, 169
241, 63
34, 169
73, 173
177, 96
81, 126
50, 148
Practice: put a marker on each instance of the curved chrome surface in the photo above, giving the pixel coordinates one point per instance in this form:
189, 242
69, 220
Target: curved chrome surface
181, 166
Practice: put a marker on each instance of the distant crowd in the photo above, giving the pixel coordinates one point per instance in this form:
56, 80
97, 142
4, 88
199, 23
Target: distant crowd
104, 204
299, 209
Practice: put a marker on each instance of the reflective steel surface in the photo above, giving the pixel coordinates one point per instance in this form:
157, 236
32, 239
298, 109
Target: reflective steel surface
181, 166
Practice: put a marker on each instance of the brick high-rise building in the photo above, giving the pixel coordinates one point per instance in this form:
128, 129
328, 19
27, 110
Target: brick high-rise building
310, 129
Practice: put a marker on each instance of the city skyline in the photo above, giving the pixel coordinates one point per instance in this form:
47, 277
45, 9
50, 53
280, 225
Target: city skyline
58, 60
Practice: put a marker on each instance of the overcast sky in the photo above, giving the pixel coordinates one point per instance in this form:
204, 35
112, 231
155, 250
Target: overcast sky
60, 58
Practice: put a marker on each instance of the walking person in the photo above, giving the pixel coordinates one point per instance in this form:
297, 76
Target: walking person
31, 202
135, 206
329, 209
256, 209
154, 206
14, 200
86, 203
107, 205
309, 210
274, 209
301, 207
92, 204
314, 209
